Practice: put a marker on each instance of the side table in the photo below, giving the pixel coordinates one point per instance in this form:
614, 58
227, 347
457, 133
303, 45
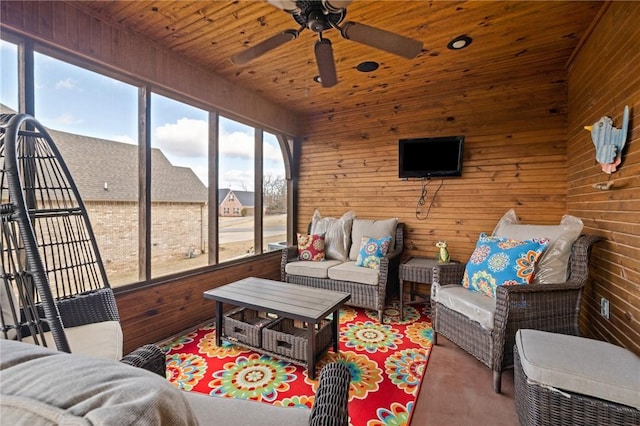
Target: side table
415, 270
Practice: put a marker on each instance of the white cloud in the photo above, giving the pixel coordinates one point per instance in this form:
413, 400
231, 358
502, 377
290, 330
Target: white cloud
67, 119
185, 138
241, 180
66, 84
202, 172
272, 153
184, 142
237, 145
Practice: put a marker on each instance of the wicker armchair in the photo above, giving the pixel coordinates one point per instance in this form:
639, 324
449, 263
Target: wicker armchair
547, 307
54, 286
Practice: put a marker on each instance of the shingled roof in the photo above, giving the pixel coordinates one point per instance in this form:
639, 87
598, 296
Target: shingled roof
98, 163
245, 198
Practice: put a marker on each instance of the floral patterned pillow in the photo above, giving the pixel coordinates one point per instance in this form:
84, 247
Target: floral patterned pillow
371, 251
500, 261
310, 247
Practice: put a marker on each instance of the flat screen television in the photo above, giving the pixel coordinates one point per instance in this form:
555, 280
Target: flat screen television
430, 157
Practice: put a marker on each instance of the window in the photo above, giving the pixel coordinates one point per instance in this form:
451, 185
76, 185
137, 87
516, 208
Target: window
274, 195
9, 80
236, 164
179, 177
93, 121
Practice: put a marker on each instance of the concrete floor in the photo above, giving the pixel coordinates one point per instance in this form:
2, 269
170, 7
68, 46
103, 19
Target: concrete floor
458, 390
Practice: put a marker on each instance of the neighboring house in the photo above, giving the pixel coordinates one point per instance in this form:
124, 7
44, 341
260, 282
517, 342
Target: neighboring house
106, 173
235, 203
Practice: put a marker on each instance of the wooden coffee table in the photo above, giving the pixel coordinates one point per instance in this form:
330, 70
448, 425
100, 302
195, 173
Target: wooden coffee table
293, 301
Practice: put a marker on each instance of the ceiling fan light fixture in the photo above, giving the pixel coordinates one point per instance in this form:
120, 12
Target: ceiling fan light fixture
288, 6
459, 42
367, 66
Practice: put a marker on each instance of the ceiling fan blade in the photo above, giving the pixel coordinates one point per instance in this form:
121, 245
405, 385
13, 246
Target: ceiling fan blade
381, 39
326, 64
335, 5
264, 46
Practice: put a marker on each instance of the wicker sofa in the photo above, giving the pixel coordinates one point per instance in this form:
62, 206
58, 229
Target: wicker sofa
42, 386
369, 288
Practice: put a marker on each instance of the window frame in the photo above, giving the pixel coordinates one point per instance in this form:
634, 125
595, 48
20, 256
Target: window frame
26, 49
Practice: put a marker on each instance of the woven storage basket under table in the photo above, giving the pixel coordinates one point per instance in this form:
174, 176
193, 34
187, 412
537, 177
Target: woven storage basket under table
290, 337
245, 325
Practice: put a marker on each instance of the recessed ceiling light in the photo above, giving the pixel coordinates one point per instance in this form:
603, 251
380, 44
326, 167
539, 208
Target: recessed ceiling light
317, 79
459, 42
367, 66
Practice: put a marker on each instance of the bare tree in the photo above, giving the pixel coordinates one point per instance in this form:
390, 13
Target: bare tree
274, 193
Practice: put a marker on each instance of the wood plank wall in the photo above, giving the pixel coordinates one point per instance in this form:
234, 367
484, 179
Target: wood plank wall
603, 78
515, 156
155, 313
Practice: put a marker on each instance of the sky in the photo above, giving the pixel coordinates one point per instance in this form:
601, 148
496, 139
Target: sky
75, 100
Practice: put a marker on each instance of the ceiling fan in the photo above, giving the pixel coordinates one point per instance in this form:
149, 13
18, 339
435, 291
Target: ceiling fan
323, 15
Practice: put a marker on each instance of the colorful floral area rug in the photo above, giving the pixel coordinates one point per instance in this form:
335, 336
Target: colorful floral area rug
387, 362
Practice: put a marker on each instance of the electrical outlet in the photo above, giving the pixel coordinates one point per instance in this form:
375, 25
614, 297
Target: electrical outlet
604, 307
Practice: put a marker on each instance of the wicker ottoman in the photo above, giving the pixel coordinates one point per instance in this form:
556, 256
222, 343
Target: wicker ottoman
570, 380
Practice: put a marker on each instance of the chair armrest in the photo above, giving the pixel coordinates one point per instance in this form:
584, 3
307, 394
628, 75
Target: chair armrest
450, 273
388, 268
88, 308
330, 403
289, 254
537, 305
148, 357
548, 307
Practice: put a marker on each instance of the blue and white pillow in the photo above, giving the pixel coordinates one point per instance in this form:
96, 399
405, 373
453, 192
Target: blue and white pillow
500, 261
372, 250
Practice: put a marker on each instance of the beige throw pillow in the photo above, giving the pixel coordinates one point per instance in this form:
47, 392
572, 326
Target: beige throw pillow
374, 229
337, 234
553, 266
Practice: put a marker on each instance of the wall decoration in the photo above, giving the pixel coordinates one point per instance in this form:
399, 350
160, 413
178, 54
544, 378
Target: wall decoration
609, 141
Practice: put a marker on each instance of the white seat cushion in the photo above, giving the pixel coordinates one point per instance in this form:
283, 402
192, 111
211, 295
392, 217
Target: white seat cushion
241, 412
471, 304
348, 271
100, 339
580, 365
310, 268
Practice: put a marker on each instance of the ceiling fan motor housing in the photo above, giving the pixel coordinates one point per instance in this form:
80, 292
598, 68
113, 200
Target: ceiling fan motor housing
313, 15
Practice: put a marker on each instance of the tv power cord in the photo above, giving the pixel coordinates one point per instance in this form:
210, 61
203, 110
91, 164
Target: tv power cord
423, 198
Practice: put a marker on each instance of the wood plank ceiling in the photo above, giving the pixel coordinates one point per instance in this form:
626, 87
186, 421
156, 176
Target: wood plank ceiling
509, 39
